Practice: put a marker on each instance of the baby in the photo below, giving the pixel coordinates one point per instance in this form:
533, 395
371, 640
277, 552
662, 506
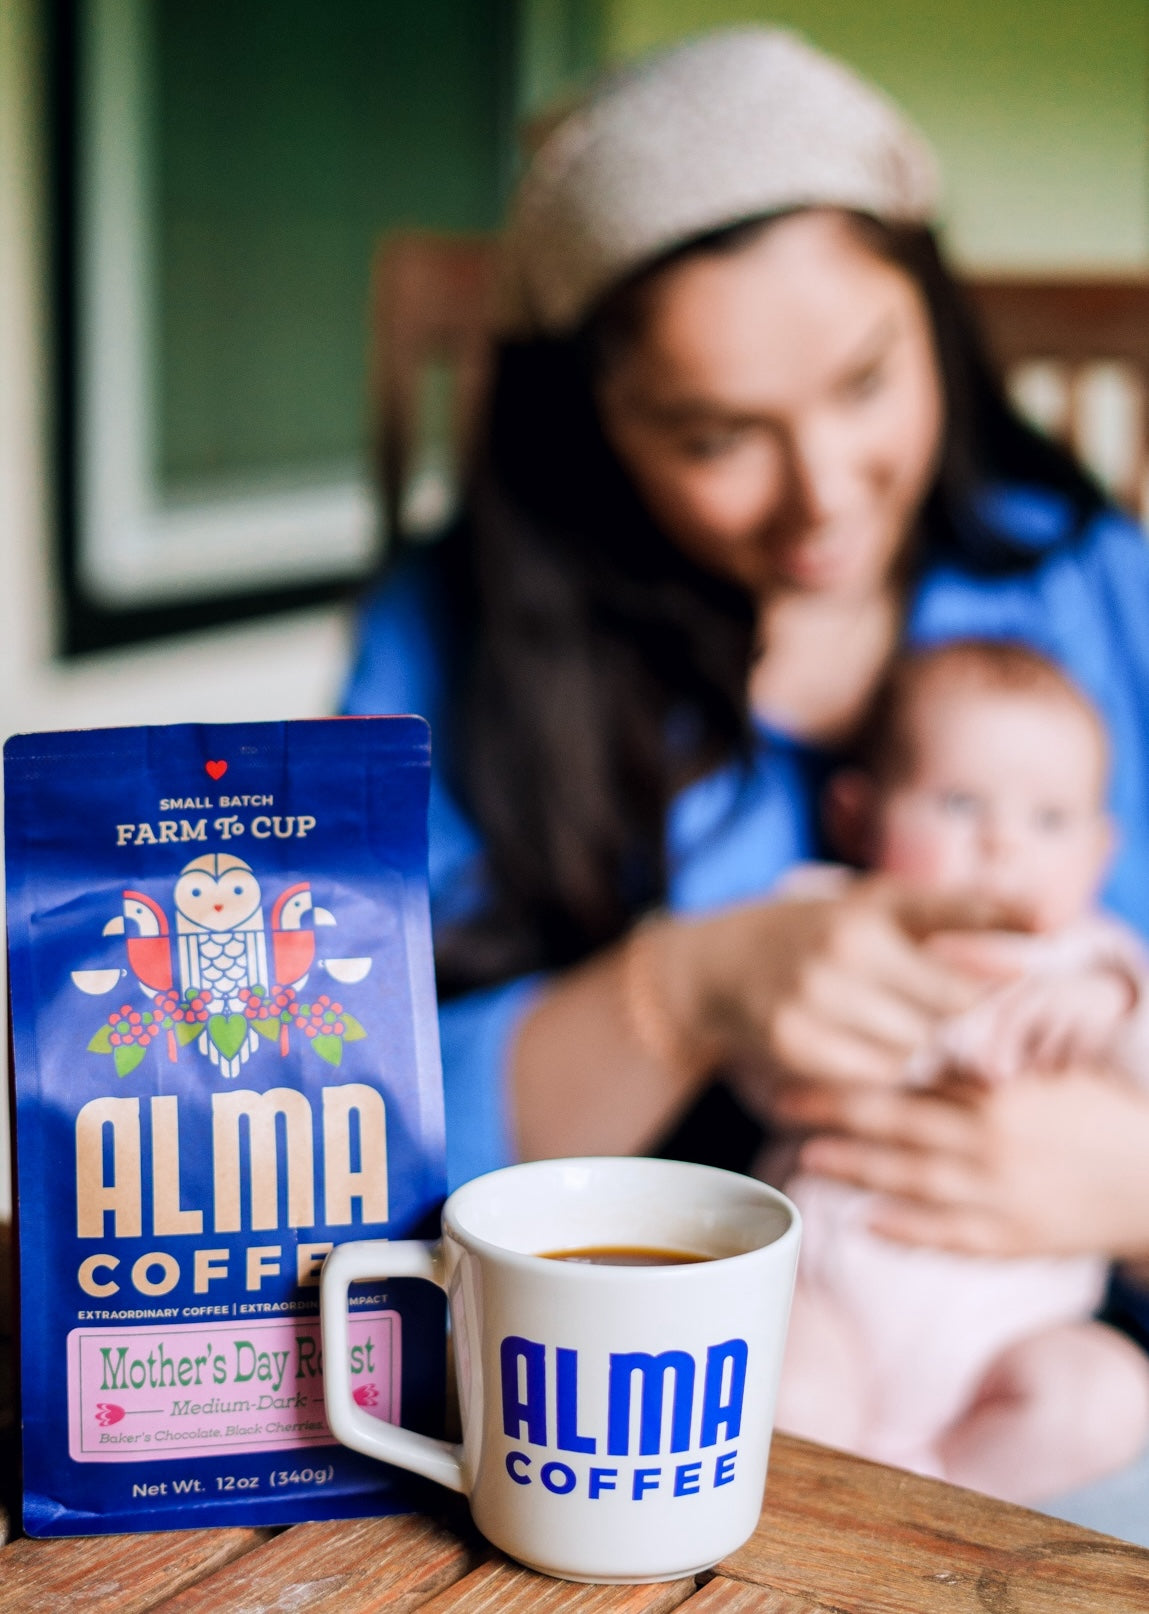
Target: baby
987, 771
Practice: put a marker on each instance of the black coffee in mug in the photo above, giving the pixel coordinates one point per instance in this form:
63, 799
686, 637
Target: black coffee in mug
605, 1255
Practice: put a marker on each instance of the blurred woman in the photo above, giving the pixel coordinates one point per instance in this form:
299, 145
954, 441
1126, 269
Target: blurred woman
742, 443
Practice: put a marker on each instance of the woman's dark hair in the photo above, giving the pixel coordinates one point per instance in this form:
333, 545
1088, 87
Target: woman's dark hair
594, 668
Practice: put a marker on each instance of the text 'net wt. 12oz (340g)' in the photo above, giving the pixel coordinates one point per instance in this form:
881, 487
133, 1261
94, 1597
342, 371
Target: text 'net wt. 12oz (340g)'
226, 1061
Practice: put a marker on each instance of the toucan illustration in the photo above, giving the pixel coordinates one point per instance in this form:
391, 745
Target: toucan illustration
293, 947
150, 948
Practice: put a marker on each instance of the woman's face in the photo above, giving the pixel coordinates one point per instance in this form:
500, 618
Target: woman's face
780, 411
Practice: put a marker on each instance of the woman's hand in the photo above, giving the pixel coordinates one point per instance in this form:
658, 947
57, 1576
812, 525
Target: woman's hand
834, 989
1043, 1165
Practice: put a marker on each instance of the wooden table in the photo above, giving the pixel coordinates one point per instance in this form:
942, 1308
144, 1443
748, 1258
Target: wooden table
837, 1536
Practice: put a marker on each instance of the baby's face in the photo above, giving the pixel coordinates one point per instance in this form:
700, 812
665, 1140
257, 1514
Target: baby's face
1003, 795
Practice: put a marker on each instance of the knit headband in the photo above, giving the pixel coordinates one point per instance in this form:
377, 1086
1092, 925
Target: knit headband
729, 126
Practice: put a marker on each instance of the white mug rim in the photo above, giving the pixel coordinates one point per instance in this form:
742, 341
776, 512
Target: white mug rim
574, 1271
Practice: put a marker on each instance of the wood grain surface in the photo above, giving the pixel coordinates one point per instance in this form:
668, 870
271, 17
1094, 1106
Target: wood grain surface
837, 1536
722, 1596
345, 1566
856, 1536
112, 1574
501, 1587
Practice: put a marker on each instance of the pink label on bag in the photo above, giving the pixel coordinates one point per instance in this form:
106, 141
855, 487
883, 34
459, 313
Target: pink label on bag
193, 1389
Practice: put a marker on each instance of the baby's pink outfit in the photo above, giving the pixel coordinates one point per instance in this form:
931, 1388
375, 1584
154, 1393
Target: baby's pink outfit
928, 1323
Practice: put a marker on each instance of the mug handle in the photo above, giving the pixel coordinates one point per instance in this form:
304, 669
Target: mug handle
437, 1460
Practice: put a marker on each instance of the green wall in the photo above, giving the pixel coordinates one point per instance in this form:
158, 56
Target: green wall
1039, 109
558, 47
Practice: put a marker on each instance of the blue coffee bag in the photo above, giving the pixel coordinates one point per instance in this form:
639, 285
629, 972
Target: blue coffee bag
226, 1061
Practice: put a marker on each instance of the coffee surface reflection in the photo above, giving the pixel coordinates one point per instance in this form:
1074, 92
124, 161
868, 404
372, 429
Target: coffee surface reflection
603, 1255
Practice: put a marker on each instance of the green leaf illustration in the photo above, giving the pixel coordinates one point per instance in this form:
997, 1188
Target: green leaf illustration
228, 1032
267, 1028
127, 1057
329, 1048
187, 1031
354, 1032
101, 1043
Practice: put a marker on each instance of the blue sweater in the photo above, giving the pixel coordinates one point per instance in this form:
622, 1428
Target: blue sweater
1084, 601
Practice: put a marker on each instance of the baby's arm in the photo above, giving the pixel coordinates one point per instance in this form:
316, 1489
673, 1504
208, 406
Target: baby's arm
1050, 1022
1080, 996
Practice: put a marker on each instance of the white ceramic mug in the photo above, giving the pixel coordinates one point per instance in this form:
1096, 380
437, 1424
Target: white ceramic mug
616, 1419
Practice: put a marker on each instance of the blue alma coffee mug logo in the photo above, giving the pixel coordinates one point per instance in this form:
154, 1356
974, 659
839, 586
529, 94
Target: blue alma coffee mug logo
595, 1403
706, 1396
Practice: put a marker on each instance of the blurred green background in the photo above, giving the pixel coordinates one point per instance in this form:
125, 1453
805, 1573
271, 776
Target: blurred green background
286, 135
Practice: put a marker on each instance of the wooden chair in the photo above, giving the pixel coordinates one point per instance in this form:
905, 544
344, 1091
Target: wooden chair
432, 307
1075, 354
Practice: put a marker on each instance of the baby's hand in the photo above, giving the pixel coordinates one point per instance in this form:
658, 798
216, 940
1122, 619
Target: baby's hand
1046, 1023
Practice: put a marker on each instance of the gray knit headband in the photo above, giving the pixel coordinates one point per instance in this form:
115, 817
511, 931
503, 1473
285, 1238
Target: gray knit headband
729, 126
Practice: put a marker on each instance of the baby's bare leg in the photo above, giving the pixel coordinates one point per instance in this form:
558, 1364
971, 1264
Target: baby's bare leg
822, 1394
1053, 1412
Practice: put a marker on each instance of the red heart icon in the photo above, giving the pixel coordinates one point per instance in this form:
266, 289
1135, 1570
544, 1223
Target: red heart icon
216, 769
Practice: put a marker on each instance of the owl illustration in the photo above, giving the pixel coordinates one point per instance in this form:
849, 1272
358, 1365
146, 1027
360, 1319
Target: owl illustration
222, 950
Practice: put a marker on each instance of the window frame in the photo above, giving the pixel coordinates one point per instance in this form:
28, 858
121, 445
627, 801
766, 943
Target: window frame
135, 566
